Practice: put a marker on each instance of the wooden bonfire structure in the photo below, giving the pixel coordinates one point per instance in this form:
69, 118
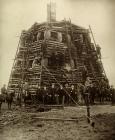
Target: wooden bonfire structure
58, 52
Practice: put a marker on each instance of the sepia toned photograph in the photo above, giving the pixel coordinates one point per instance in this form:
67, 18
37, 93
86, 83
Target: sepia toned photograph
57, 70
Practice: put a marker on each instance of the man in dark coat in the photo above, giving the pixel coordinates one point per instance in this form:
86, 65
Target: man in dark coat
3, 90
39, 95
67, 97
72, 94
112, 92
61, 93
88, 87
53, 93
45, 93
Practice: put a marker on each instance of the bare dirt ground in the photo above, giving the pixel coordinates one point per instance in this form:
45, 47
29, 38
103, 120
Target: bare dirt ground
21, 124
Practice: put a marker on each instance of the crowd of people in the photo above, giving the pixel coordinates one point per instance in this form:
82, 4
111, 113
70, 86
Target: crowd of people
93, 91
90, 92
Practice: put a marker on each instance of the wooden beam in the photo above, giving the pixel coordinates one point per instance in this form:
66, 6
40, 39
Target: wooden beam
55, 119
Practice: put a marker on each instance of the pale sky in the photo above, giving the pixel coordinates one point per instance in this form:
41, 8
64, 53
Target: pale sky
16, 15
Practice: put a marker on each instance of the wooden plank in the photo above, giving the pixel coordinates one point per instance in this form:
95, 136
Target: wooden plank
54, 119
54, 106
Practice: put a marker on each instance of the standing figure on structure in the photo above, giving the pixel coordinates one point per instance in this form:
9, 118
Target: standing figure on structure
84, 74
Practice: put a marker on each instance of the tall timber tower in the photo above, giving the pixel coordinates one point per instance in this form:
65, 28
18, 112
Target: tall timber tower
57, 52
